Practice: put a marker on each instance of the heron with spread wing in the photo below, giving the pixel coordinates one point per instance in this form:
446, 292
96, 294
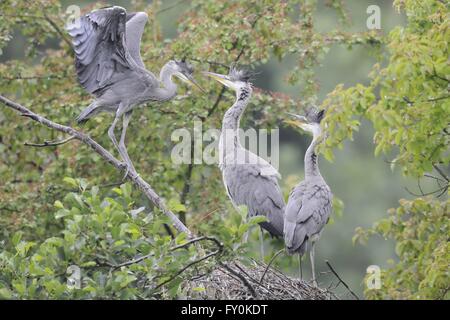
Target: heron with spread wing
310, 202
249, 180
109, 66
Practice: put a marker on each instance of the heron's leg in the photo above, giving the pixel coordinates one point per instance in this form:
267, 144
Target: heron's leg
113, 137
300, 270
261, 239
311, 257
122, 148
111, 132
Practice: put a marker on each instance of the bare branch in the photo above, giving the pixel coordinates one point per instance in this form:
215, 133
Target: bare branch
50, 143
218, 251
442, 173
214, 63
340, 280
170, 7
441, 191
106, 155
270, 263
57, 29
34, 77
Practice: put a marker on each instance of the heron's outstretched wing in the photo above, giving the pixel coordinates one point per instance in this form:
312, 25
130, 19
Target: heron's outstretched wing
100, 47
134, 29
307, 211
260, 193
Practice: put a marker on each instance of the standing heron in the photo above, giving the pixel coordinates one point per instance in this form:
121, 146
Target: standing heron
109, 66
249, 180
309, 205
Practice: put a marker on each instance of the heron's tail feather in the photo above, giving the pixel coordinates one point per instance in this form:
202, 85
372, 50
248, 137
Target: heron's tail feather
87, 113
295, 238
274, 232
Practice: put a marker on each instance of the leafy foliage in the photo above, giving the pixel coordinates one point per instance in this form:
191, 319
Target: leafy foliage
421, 231
120, 252
408, 103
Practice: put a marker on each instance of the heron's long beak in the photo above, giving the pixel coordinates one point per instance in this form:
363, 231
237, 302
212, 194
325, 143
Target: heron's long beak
298, 121
225, 80
190, 80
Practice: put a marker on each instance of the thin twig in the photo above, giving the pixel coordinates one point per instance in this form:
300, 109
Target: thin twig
270, 263
209, 255
218, 244
215, 63
341, 281
433, 177
170, 7
422, 194
442, 173
34, 77
49, 143
212, 239
57, 29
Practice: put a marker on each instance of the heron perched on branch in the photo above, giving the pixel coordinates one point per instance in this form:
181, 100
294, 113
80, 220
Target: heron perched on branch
249, 180
309, 205
109, 66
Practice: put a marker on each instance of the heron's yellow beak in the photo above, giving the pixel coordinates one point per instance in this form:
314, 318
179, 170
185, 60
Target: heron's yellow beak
225, 80
297, 121
190, 80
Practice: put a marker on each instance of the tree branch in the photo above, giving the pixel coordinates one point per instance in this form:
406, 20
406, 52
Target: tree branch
439, 170
106, 155
216, 252
50, 143
340, 280
57, 29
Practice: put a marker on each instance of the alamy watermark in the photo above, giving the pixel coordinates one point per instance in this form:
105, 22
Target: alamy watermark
373, 280
374, 19
73, 277
214, 146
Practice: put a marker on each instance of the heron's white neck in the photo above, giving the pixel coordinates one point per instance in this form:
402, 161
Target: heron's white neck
169, 89
229, 137
311, 159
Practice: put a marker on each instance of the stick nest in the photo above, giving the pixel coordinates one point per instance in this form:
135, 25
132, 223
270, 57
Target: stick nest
236, 281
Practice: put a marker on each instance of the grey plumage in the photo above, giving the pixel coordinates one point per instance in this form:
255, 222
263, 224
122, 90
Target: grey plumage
109, 66
307, 211
249, 180
310, 202
246, 184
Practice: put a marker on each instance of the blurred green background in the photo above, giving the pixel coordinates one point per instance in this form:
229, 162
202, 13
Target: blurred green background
367, 185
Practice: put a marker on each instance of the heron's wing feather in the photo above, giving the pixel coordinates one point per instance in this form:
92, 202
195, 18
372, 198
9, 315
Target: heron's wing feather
291, 213
307, 211
134, 29
261, 194
100, 47
264, 167
316, 204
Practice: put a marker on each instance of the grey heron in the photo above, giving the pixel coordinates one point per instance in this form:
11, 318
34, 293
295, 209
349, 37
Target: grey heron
310, 202
249, 180
109, 66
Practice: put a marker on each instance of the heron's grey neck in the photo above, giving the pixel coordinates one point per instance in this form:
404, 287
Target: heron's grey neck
311, 159
169, 89
231, 119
